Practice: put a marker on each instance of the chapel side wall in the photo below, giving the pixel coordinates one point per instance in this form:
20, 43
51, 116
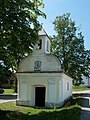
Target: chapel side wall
58, 87
67, 87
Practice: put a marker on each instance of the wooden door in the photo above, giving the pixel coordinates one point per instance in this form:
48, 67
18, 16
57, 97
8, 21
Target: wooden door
40, 96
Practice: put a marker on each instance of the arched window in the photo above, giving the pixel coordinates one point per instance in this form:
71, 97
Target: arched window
40, 44
67, 85
47, 46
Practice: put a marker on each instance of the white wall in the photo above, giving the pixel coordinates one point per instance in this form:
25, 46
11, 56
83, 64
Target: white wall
48, 63
67, 92
55, 83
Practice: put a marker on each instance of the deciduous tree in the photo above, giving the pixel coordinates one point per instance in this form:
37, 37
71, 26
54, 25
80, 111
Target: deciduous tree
18, 29
68, 46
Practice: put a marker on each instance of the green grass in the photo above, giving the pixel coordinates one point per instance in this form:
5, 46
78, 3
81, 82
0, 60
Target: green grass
8, 91
79, 88
9, 111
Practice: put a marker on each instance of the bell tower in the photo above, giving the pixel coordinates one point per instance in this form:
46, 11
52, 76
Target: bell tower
43, 44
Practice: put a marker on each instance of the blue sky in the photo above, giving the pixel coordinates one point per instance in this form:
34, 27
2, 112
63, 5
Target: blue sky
79, 10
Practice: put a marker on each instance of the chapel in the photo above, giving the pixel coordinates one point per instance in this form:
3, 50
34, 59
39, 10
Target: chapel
41, 81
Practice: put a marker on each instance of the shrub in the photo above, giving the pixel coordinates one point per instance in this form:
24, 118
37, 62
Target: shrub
1, 90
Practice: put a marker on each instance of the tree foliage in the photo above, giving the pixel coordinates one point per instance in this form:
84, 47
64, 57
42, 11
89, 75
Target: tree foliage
68, 46
5, 73
18, 29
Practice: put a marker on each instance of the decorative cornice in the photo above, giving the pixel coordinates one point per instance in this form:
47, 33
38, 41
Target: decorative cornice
40, 72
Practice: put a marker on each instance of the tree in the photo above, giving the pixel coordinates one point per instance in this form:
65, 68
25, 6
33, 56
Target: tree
87, 62
18, 29
68, 46
5, 73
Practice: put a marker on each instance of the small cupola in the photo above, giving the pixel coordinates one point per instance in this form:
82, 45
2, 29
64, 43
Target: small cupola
43, 44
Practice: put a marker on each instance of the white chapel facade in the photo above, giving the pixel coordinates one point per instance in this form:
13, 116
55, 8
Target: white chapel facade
41, 81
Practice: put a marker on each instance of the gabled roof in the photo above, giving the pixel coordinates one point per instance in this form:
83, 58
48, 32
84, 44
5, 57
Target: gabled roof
42, 32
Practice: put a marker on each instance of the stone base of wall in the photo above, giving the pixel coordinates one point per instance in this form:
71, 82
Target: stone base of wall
23, 103
57, 105
53, 105
47, 104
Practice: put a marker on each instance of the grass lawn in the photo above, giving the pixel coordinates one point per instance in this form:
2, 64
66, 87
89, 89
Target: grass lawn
9, 111
8, 91
80, 88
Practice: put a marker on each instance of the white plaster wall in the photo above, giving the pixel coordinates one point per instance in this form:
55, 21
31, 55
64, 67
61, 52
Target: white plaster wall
36, 82
50, 81
66, 93
52, 90
60, 88
44, 46
48, 63
22, 88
